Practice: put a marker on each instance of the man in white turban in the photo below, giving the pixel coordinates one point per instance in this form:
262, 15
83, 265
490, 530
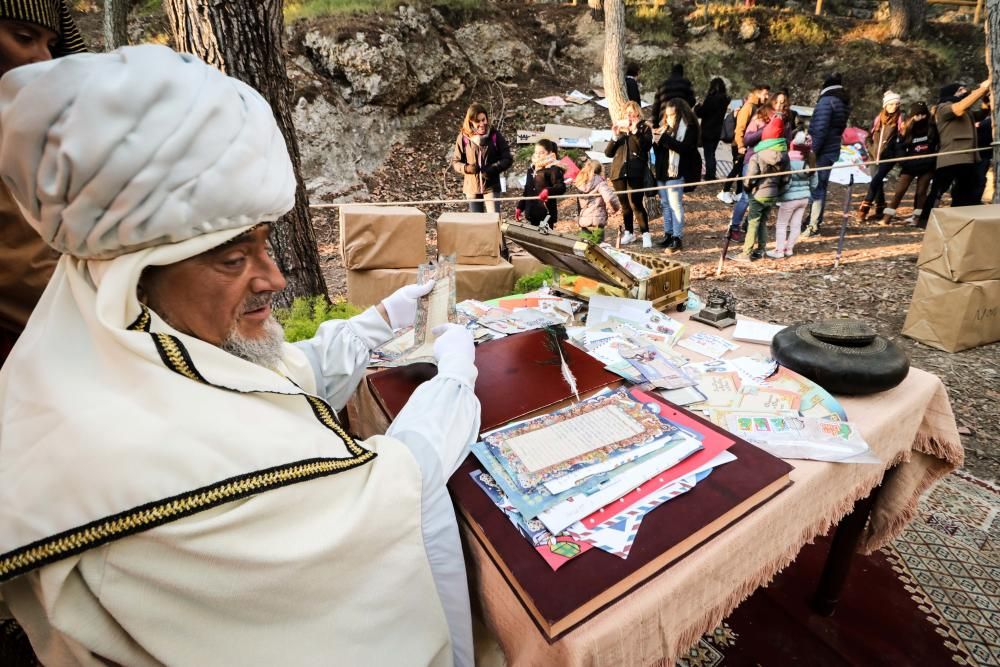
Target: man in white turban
174, 486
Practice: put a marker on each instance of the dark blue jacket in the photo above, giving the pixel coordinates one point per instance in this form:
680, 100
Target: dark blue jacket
828, 123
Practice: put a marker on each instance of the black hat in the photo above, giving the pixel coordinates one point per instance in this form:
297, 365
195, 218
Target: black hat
949, 91
833, 80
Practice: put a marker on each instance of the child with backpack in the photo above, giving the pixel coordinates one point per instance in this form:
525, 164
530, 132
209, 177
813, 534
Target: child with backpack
770, 157
794, 199
594, 208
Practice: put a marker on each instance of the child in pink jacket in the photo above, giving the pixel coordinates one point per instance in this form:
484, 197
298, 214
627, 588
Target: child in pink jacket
594, 209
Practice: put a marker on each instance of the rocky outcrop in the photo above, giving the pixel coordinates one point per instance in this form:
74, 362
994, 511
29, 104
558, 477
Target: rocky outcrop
359, 93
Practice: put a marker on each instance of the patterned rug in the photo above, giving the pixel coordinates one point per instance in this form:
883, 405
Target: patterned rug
930, 598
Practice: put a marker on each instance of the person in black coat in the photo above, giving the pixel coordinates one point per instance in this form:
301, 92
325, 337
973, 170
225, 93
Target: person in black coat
677, 162
673, 87
629, 149
712, 111
632, 83
545, 177
829, 120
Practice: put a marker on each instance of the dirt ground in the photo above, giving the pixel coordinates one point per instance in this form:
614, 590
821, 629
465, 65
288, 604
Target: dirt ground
873, 283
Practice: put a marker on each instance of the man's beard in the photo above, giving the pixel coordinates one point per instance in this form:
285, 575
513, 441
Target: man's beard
263, 350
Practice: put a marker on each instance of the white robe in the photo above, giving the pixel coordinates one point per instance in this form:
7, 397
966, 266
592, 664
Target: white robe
255, 581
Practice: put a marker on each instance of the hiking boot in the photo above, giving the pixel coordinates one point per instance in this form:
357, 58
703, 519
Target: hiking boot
756, 254
809, 232
887, 216
665, 241
736, 235
676, 245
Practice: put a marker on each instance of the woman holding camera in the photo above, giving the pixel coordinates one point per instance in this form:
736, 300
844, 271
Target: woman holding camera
629, 147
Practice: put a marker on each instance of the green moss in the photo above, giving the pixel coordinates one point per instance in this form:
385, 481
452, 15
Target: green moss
306, 314
534, 281
797, 30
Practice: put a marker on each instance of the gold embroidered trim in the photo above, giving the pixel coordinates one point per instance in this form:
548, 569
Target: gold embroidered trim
175, 357
104, 531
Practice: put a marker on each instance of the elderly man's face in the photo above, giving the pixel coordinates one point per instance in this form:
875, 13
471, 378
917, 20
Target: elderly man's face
220, 294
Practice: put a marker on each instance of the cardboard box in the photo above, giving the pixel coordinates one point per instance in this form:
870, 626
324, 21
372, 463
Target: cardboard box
953, 316
524, 264
382, 237
963, 244
474, 238
472, 281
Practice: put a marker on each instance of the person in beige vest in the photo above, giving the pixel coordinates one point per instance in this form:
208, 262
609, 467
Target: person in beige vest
957, 131
175, 487
30, 31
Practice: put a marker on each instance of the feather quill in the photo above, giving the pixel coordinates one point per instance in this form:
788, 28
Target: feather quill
556, 334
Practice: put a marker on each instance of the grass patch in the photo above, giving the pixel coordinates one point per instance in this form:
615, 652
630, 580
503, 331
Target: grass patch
306, 314
652, 22
310, 9
797, 30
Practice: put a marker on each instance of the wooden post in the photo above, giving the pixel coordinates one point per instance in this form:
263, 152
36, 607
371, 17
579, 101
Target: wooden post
979, 12
819, 7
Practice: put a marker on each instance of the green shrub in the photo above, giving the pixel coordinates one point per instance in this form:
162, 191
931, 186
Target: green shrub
533, 281
306, 314
595, 235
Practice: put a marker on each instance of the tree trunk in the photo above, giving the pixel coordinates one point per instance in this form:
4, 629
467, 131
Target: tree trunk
243, 38
906, 18
116, 23
614, 57
993, 65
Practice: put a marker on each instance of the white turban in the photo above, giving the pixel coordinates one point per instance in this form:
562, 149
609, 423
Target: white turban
110, 153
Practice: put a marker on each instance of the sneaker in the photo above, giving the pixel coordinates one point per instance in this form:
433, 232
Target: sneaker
775, 254
736, 235
789, 253
725, 197
647, 240
756, 254
628, 237
739, 258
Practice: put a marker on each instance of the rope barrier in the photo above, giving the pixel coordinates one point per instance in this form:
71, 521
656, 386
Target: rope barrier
717, 181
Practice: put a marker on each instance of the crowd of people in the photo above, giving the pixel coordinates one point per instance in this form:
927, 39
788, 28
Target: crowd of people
676, 147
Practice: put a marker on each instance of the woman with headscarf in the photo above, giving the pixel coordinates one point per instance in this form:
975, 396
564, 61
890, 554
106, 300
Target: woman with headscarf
481, 155
883, 144
712, 111
30, 31
957, 131
919, 138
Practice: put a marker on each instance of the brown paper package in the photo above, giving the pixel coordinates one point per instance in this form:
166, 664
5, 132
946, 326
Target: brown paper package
953, 316
524, 264
472, 281
382, 237
474, 238
963, 244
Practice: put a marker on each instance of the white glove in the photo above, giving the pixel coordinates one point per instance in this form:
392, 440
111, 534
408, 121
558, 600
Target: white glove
453, 341
455, 353
401, 305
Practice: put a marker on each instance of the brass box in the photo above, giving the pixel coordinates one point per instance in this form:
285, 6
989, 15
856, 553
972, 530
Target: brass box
666, 287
